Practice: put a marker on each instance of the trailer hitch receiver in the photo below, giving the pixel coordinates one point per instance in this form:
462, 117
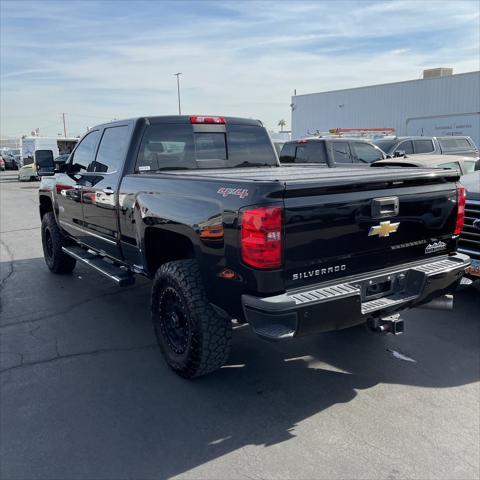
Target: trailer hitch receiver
392, 324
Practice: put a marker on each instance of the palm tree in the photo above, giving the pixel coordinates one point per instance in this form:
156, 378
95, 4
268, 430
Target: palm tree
281, 124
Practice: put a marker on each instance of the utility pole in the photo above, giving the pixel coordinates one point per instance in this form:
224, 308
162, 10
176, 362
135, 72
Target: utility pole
64, 126
178, 91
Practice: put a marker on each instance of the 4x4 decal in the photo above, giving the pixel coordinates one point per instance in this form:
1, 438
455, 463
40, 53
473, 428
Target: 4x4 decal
239, 192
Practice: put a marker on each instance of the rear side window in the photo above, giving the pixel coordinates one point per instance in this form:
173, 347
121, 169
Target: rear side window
423, 146
112, 150
341, 152
85, 152
454, 144
367, 153
178, 146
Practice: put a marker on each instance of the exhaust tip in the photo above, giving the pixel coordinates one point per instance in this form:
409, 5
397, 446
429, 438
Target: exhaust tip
445, 302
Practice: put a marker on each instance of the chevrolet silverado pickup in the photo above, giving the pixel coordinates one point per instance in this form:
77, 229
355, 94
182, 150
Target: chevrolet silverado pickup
202, 206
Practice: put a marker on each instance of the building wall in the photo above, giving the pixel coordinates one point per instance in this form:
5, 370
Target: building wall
10, 142
390, 105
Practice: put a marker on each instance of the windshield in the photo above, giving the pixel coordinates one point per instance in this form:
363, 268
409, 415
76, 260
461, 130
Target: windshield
385, 145
178, 146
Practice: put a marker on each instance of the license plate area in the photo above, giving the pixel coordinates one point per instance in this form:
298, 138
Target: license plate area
474, 268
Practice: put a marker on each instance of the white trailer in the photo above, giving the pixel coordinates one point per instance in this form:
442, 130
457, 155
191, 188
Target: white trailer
58, 146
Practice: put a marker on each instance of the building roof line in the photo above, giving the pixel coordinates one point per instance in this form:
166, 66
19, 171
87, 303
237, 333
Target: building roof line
385, 84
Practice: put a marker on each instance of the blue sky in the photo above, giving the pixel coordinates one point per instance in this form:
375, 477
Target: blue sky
115, 59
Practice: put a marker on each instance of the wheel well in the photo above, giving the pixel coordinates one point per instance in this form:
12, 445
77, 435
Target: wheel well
45, 206
162, 246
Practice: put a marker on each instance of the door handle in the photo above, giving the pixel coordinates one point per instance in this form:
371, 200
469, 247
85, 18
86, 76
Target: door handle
108, 191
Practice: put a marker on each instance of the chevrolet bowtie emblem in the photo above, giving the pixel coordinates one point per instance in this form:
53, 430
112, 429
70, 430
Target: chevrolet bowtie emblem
384, 229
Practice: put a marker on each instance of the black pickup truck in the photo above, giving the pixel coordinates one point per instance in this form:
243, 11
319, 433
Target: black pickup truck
202, 206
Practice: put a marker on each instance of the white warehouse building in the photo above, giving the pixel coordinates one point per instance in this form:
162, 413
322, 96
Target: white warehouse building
439, 104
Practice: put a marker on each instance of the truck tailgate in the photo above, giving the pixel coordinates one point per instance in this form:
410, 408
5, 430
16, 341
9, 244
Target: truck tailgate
362, 220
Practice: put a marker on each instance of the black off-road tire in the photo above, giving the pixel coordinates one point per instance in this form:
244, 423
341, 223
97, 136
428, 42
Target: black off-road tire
203, 344
53, 240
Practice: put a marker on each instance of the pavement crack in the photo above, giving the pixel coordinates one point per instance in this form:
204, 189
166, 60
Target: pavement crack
67, 309
77, 355
11, 270
20, 230
19, 354
32, 332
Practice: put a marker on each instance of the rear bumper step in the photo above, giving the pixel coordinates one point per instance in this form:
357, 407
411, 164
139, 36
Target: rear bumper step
341, 305
119, 275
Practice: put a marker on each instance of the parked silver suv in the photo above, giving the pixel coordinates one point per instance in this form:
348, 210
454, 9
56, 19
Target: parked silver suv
400, 146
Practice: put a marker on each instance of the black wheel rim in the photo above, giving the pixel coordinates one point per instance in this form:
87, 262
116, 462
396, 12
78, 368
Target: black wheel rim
48, 243
174, 321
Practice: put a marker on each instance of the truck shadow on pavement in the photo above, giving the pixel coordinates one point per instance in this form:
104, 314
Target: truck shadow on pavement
79, 356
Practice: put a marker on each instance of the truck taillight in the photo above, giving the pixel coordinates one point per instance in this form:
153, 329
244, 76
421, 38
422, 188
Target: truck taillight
261, 237
202, 119
461, 199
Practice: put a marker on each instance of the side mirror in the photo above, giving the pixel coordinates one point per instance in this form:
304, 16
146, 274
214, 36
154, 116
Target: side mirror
399, 153
45, 163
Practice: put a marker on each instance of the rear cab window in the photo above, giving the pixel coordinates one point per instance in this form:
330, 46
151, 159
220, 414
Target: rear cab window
304, 151
170, 146
287, 155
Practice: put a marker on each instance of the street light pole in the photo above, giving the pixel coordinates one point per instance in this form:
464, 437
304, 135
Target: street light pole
64, 126
178, 91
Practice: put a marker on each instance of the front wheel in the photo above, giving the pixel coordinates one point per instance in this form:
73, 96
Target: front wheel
53, 241
193, 337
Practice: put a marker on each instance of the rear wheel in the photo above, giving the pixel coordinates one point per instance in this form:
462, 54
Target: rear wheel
193, 337
53, 241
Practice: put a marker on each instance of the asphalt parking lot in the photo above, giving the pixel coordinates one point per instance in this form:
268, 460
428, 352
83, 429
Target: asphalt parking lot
85, 393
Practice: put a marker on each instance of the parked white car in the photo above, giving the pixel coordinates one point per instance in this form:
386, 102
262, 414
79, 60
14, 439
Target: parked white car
27, 173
